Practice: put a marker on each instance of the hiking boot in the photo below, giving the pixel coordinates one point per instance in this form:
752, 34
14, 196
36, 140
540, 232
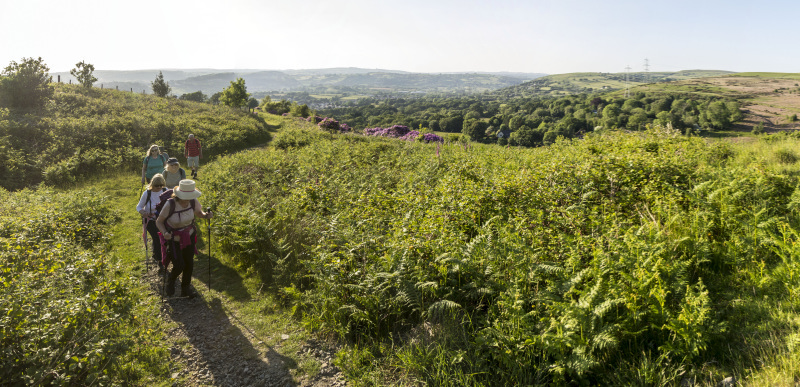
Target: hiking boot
188, 293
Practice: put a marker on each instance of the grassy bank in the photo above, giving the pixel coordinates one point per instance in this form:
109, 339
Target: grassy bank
87, 132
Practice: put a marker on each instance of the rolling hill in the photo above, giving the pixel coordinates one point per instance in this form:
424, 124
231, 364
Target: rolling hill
573, 83
211, 81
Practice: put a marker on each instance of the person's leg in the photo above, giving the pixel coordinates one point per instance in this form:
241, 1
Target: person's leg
153, 231
188, 268
177, 265
194, 163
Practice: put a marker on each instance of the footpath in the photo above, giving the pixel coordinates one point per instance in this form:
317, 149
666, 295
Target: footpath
230, 335
216, 348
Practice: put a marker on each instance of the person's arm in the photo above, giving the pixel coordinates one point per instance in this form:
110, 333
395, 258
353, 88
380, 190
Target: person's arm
162, 217
199, 150
198, 211
186, 149
140, 207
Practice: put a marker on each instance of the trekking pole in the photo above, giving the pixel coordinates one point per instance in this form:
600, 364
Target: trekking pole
209, 247
145, 221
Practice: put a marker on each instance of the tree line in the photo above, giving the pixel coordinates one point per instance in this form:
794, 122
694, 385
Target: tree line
539, 121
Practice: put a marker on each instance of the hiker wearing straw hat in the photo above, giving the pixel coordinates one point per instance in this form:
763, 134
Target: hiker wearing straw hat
176, 224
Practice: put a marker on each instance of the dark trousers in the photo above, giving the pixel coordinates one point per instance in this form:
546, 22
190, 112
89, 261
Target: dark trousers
182, 262
153, 231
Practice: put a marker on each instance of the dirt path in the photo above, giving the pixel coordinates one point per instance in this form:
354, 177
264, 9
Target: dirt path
217, 349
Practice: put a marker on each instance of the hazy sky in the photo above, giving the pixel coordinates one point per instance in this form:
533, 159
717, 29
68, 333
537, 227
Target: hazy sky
547, 36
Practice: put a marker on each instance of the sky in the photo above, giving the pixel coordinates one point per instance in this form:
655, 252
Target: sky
431, 36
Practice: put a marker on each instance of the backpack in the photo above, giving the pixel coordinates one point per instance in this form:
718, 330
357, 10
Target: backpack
161, 156
147, 201
166, 196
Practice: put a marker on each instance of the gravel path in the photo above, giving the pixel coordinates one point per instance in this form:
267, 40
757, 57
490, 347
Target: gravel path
217, 349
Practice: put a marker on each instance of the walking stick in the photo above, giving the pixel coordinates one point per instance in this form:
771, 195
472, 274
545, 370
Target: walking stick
144, 239
209, 248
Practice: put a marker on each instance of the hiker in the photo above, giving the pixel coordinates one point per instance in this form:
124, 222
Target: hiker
193, 152
163, 152
147, 208
176, 223
153, 163
173, 174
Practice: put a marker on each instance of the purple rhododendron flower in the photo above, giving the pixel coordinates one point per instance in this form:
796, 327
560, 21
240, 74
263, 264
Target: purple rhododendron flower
329, 124
430, 137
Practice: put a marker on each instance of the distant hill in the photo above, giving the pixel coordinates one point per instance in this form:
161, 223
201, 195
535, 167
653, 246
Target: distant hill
573, 83
210, 81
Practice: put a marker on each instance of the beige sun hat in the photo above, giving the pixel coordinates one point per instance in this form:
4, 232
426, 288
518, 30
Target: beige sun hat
187, 191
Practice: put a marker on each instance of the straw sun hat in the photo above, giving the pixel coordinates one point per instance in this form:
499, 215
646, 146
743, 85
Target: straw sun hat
187, 191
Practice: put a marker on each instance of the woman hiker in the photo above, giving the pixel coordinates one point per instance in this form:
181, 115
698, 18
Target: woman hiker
153, 163
174, 173
147, 208
176, 223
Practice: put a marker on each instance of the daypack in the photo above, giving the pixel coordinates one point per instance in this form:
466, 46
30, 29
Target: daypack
166, 196
147, 201
161, 156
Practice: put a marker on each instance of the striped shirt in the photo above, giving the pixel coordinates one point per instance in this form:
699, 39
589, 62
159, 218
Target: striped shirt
192, 148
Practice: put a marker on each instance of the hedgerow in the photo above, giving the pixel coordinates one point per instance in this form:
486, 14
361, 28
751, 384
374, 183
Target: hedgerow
67, 316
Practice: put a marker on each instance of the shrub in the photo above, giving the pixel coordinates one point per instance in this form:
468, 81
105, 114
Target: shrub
66, 317
786, 156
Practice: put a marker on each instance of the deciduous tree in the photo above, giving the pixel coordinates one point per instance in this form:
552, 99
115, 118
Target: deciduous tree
235, 95
197, 96
26, 84
84, 73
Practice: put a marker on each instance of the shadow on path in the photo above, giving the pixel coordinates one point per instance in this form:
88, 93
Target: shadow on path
223, 351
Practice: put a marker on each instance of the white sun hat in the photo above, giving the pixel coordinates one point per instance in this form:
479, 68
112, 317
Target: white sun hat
187, 191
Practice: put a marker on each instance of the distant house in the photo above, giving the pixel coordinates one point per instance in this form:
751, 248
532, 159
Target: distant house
503, 133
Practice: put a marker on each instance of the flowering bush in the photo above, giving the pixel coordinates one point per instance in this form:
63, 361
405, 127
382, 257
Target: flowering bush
404, 133
314, 119
430, 137
329, 124
396, 131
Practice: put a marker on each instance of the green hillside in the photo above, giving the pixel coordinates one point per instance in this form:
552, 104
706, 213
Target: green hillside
84, 132
622, 258
576, 83
483, 265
